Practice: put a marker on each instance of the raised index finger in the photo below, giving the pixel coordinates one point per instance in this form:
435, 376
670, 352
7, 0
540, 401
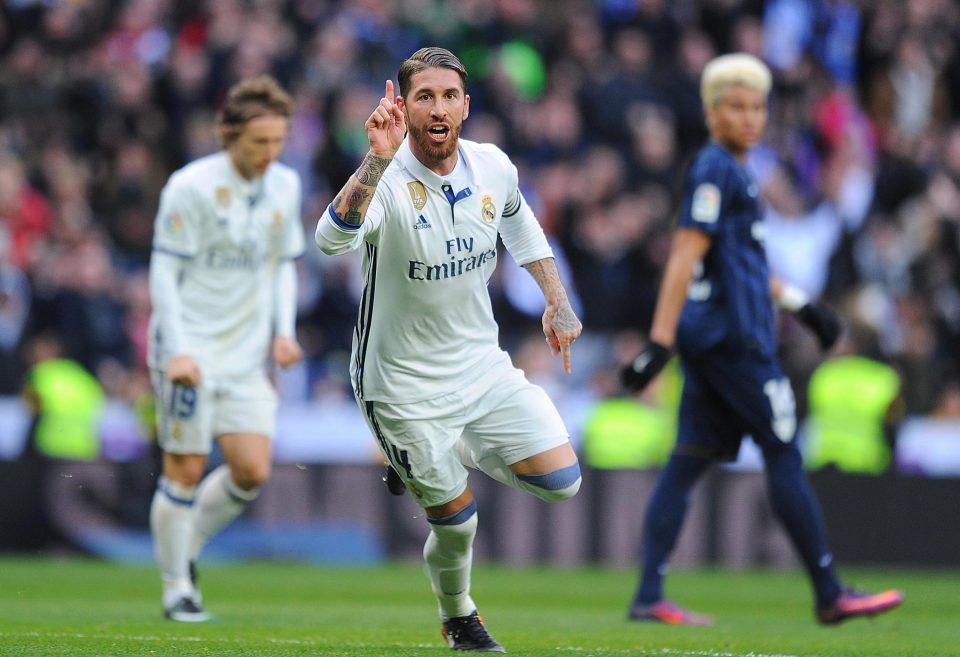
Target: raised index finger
565, 352
388, 93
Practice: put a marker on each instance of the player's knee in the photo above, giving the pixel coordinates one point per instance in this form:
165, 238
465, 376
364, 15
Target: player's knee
250, 476
184, 469
554, 486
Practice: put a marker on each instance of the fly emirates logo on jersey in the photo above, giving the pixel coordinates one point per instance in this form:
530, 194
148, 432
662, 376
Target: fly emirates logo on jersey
462, 257
242, 256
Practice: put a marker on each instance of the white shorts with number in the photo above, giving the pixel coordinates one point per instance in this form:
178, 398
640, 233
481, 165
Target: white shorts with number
189, 418
500, 412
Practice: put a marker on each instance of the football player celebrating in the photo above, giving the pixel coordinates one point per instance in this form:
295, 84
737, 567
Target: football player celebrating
428, 373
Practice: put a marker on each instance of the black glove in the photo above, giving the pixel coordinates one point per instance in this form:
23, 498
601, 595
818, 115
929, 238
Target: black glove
645, 367
822, 321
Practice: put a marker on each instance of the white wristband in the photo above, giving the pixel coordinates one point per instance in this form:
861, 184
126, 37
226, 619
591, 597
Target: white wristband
792, 298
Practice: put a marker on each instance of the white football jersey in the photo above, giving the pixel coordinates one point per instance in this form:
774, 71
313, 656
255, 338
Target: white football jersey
426, 325
231, 233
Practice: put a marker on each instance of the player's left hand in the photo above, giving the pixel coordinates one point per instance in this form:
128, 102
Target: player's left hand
286, 351
822, 321
561, 327
644, 368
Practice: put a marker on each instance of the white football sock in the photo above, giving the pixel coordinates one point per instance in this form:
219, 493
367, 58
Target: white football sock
171, 521
448, 556
219, 501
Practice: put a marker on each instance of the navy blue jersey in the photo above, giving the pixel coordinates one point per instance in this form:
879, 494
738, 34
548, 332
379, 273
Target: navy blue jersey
728, 301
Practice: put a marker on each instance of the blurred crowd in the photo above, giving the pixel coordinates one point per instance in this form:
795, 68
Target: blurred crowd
597, 102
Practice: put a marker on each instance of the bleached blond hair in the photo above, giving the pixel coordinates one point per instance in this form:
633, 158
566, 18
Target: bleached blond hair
731, 70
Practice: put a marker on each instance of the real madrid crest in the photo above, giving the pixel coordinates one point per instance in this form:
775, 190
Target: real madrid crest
489, 210
418, 194
222, 194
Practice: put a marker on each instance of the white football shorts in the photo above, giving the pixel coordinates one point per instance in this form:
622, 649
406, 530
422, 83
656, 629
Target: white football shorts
189, 418
500, 412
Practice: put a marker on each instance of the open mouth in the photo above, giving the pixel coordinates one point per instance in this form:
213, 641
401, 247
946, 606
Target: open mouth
438, 133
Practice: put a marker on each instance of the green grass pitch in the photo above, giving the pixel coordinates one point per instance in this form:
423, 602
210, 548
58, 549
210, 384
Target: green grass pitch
81, 608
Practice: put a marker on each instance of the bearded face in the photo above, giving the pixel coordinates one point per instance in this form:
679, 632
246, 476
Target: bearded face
437, 142
436, 107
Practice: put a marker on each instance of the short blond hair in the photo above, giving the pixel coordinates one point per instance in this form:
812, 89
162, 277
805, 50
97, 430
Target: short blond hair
732, 70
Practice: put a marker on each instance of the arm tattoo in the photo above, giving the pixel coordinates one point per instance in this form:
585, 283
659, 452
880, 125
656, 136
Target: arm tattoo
371, 169
352, 201
565, 320
359, 198
562, 319
544, 272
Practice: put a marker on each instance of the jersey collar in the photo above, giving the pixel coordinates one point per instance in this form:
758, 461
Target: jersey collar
247, 188
425, 175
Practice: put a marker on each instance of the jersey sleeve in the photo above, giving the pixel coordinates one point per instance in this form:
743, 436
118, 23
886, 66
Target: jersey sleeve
177, 226
293, 239
704, 197
521, 232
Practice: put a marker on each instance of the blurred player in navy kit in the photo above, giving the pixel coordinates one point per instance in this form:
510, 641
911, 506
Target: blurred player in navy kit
716, 307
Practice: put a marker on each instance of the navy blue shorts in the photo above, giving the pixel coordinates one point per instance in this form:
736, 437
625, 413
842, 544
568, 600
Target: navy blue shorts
727, 396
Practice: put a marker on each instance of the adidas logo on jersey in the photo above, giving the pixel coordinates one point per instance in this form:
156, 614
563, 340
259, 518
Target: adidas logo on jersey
421, 223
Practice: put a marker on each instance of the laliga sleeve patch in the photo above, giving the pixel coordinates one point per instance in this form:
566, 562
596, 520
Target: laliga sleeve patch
172, 224
706, 203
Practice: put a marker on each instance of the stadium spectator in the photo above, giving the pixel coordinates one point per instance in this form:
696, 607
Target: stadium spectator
128, 94
14, 310
24, 211
427, 369
66, 403
223, 286
855, 405
715, 307
637, 431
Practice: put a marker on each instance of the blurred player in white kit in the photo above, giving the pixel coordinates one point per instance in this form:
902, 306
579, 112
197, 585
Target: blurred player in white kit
223, 287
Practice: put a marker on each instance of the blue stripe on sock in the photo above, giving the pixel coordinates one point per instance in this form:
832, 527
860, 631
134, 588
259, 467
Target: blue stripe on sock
556, 480
162, 485
243, 501
457, 518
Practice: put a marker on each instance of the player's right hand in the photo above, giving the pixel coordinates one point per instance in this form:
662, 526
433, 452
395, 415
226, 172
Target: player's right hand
824, 323
387, 125
286, 351
183, 370
645, 367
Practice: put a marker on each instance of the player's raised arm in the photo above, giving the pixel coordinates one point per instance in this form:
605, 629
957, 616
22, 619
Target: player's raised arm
560, 324
386, 128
